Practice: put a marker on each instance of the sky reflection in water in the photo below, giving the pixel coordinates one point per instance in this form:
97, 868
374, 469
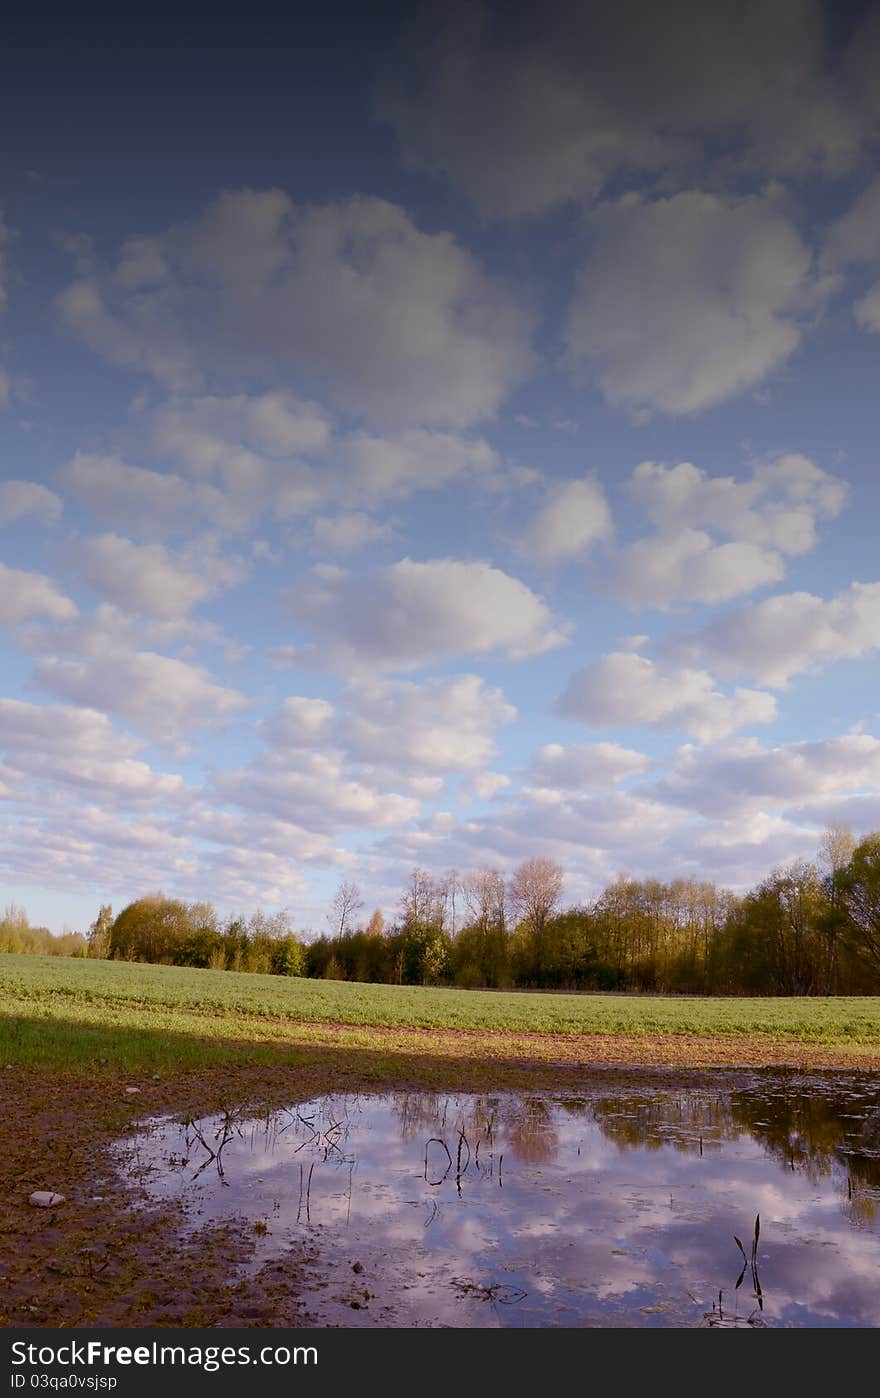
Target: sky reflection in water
609, 1207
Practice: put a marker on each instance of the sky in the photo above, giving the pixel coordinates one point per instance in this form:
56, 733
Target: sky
434, 437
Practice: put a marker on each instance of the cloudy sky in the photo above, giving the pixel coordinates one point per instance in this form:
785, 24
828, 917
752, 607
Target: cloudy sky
435, 438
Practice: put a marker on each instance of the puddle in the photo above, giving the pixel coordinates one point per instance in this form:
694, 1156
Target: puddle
617, 1206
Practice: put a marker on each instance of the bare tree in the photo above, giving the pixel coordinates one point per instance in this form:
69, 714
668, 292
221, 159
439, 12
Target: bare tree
347, 902
424, 902
836, 849
534, 892
484, 894
451, 885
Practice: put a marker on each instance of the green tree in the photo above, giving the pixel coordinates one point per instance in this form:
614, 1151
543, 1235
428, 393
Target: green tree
860, 892
99, 932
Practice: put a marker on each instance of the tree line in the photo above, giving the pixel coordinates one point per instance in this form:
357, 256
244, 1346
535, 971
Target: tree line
809, 928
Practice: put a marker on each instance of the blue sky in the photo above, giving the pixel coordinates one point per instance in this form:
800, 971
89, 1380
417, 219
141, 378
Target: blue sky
435, 438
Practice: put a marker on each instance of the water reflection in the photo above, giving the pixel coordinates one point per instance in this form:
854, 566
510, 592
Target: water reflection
752, 1205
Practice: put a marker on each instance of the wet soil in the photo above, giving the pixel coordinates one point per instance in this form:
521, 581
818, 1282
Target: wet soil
96, 1260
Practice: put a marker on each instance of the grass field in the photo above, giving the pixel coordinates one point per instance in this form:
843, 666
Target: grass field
62, 1010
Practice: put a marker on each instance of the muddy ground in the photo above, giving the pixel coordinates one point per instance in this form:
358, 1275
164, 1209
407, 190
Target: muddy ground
96, 1260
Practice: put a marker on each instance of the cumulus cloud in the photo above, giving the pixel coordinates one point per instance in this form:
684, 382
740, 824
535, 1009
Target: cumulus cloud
788, 634
572, 768
527, 117
147, 578
854, 238
241, 457
574, 516
142, 501
688, 567
686, 301
747, 777
374, 757
867, 309
160, 696
755, 525
623, 688
439, 725
398, 463
854, 241
388, 322
413, 614
592, 834
348, 533
252, 449
313, 788
301, 723
20, 498
80, 749
777, 506
24, 595
483, 786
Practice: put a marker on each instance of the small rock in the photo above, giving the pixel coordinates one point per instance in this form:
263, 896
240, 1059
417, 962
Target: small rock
8, 1065
156, 1077
132, 1091
45, 1199
357, 1266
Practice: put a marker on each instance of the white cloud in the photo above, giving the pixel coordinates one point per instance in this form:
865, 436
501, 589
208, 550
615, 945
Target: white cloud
399, 463
147, 578
441, 725
574, 516
762, 520
142, 501
854, 238
622, 689
414, 614
24, 595
776, 507
231, 469
384, 320
572, 768
80, 749
251, 449
688, 567
592, 835
162, 697
788, 634
348, 533
867, 309
524, 118
689, 300
5, 388
20, 498
314, 789
483, 786
301, 723
746, 777
854, 241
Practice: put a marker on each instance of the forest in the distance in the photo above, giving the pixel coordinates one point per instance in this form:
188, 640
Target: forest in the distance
809, 928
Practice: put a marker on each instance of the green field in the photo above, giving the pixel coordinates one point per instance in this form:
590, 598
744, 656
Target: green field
67, 1010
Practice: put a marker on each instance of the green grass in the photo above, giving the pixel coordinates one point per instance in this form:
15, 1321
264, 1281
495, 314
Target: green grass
220, 1005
